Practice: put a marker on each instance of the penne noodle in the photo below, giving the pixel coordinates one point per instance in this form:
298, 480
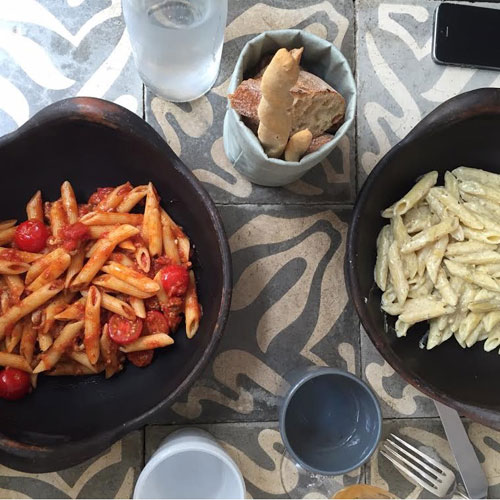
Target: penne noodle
127, 245
471, 246
423, 308
97, 232
76, 310
435, 335
493, 339
114, 198
75, 267
39, 265
451, 185
181, 240
14, 337
69, 202
51, 272
155, 233
485, 191
28, 305
34, 208
192, 309
484, 306
117, 306
109, 353
44, 341
485, 235
15, 285
134, 278
5, 301
132, 198
416, 193
111, 218
475, 277
417, 218
7, 224
146, 342
66, 337
452, 205
121, 258
9, 267
100, 256
28, 341
92, 320
476, 174
151, 203
143, 259
14, 361
401, 328
490, 320
397, 273
435, 257
169, 243
401, 236
55, 307
138, 307
478, 258
447, 293
83, 359
112, 283
7, 235
58, 220
15, 255
430, 235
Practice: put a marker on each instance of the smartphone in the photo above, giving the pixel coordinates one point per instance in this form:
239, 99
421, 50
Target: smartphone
467, 36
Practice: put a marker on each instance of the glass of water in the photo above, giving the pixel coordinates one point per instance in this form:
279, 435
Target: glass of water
177, 44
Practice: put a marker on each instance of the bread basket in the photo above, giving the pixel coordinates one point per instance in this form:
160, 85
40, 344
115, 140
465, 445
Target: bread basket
240, 143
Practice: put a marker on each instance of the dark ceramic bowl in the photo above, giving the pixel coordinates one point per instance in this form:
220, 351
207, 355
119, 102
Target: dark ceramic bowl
94, 143
463, 131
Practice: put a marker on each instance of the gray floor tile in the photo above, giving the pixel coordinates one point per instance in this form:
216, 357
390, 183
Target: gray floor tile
428, 436
194, 130
289, 309
398, 399
52, 50
112, 474
259, 453
398, 82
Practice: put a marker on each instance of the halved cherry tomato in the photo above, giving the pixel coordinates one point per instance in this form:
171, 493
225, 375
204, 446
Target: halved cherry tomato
31, 235
141, 358
14, 383
123, 331
156, 322
175, 280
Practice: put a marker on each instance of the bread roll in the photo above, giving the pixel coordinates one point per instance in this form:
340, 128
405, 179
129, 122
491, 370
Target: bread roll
298, 145
274, 110
316, 105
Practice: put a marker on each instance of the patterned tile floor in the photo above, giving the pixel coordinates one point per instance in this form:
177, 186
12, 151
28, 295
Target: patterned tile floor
290, 306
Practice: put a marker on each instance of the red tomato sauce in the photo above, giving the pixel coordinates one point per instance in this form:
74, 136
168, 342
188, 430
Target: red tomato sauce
100, 195
74, 234
10, 255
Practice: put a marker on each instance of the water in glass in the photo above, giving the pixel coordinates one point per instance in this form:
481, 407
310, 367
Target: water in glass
177, 44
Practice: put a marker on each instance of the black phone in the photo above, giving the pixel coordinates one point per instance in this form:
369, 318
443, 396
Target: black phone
467, 36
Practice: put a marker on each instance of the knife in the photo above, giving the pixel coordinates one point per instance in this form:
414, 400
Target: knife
468, 464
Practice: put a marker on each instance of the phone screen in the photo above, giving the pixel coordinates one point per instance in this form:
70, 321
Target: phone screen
467, 36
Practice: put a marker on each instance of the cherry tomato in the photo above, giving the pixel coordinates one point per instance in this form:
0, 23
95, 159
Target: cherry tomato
14, 383
141, 358
156, 322
31, 235
124, 331
175, 280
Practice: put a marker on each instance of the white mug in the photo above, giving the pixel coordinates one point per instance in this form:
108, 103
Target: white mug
189, 463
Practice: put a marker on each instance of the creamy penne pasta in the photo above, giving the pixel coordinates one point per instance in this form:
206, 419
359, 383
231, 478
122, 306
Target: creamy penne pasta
453, 232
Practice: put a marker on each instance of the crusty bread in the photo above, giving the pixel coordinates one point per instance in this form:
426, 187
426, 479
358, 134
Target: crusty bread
316, 106
274, 110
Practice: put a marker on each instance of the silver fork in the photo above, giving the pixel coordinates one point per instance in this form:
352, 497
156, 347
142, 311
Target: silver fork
422, 469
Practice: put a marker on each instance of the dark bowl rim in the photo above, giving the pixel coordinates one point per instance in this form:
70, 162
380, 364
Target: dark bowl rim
112, 115
307, 376
475, 103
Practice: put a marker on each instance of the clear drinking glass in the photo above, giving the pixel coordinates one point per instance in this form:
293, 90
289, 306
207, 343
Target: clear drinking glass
177, 44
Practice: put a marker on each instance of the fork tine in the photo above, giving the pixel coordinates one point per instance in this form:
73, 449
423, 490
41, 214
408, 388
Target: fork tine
431, 480
423, 455
438, 474
409, 473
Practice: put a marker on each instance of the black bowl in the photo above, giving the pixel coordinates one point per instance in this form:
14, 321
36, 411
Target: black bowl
463, 131
94, 143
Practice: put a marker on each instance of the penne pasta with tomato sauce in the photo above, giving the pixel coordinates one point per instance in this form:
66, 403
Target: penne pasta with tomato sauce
87, 287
